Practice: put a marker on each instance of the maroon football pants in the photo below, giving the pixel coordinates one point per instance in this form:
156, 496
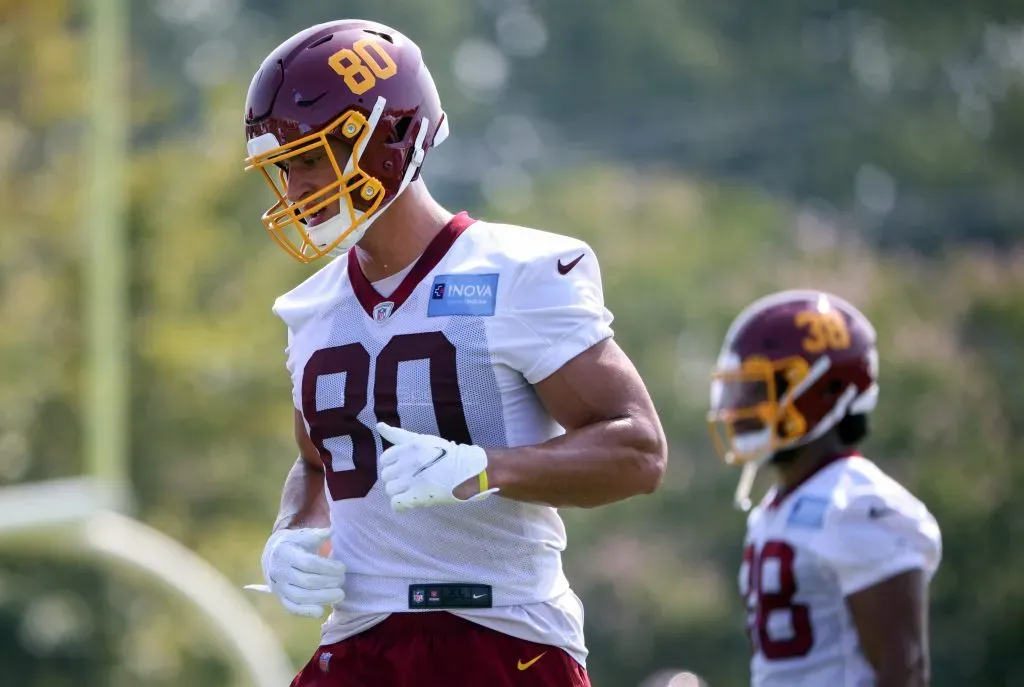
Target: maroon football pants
438, 649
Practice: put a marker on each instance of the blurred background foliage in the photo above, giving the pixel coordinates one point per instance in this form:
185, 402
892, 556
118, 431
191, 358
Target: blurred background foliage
709, 151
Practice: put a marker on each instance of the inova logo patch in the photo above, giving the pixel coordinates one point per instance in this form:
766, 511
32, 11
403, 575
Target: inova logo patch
463, 294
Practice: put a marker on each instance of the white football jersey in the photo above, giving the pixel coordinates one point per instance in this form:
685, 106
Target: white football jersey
847, 527
452, 349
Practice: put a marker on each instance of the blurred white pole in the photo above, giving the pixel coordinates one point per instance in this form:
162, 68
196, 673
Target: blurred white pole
106, 388
133, 547
71, 518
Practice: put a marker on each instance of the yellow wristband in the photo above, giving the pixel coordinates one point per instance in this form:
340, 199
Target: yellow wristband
482, 480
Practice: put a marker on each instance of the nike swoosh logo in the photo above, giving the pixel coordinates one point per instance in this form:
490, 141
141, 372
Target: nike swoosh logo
479, 596
565, 269
442, 454
309, 102
524, 666
876, 512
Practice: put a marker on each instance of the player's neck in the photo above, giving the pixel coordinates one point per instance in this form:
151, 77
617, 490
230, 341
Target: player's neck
399, 236
791, 473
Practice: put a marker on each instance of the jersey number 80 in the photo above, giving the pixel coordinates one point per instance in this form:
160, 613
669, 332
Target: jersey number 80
354, 362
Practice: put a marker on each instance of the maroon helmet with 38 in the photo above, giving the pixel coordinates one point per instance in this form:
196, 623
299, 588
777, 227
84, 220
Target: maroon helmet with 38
793, 365
354, 81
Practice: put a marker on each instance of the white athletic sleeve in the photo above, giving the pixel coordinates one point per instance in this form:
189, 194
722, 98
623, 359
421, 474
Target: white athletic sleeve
873, 536
552, 314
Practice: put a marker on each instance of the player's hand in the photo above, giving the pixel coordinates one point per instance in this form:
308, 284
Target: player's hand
424, 470
303, 580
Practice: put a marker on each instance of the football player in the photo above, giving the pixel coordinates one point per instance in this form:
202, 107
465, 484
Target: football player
838, 556
454, 382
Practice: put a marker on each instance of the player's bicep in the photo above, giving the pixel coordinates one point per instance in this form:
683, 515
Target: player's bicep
599, 384
307, 450
891, 618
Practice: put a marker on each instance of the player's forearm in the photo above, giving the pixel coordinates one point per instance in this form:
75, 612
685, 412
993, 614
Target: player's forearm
591, 466
302, 501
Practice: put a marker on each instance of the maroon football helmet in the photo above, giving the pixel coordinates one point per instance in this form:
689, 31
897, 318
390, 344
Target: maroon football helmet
793, 365
358, 82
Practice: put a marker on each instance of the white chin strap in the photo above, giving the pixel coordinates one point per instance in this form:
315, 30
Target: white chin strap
741, 498
325, 234
759, 444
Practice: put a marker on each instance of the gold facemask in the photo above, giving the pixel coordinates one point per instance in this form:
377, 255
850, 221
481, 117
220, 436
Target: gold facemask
748, 421
359, 194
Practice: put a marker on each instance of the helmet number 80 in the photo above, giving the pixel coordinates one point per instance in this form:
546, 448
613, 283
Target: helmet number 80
362, 64
826, 331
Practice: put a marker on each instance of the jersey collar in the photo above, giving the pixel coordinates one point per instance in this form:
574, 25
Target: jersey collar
781, 494
438, 247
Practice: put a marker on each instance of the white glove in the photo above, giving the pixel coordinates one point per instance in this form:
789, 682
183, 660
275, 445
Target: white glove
303, 580
423, 470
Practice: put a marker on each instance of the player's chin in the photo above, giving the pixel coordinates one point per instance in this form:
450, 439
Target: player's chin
323, 233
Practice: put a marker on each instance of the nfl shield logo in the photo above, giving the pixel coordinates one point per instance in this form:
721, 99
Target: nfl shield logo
417, 596
325, 662
382, 311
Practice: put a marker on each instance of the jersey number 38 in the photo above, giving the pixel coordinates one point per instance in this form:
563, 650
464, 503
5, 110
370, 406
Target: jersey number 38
772, 594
